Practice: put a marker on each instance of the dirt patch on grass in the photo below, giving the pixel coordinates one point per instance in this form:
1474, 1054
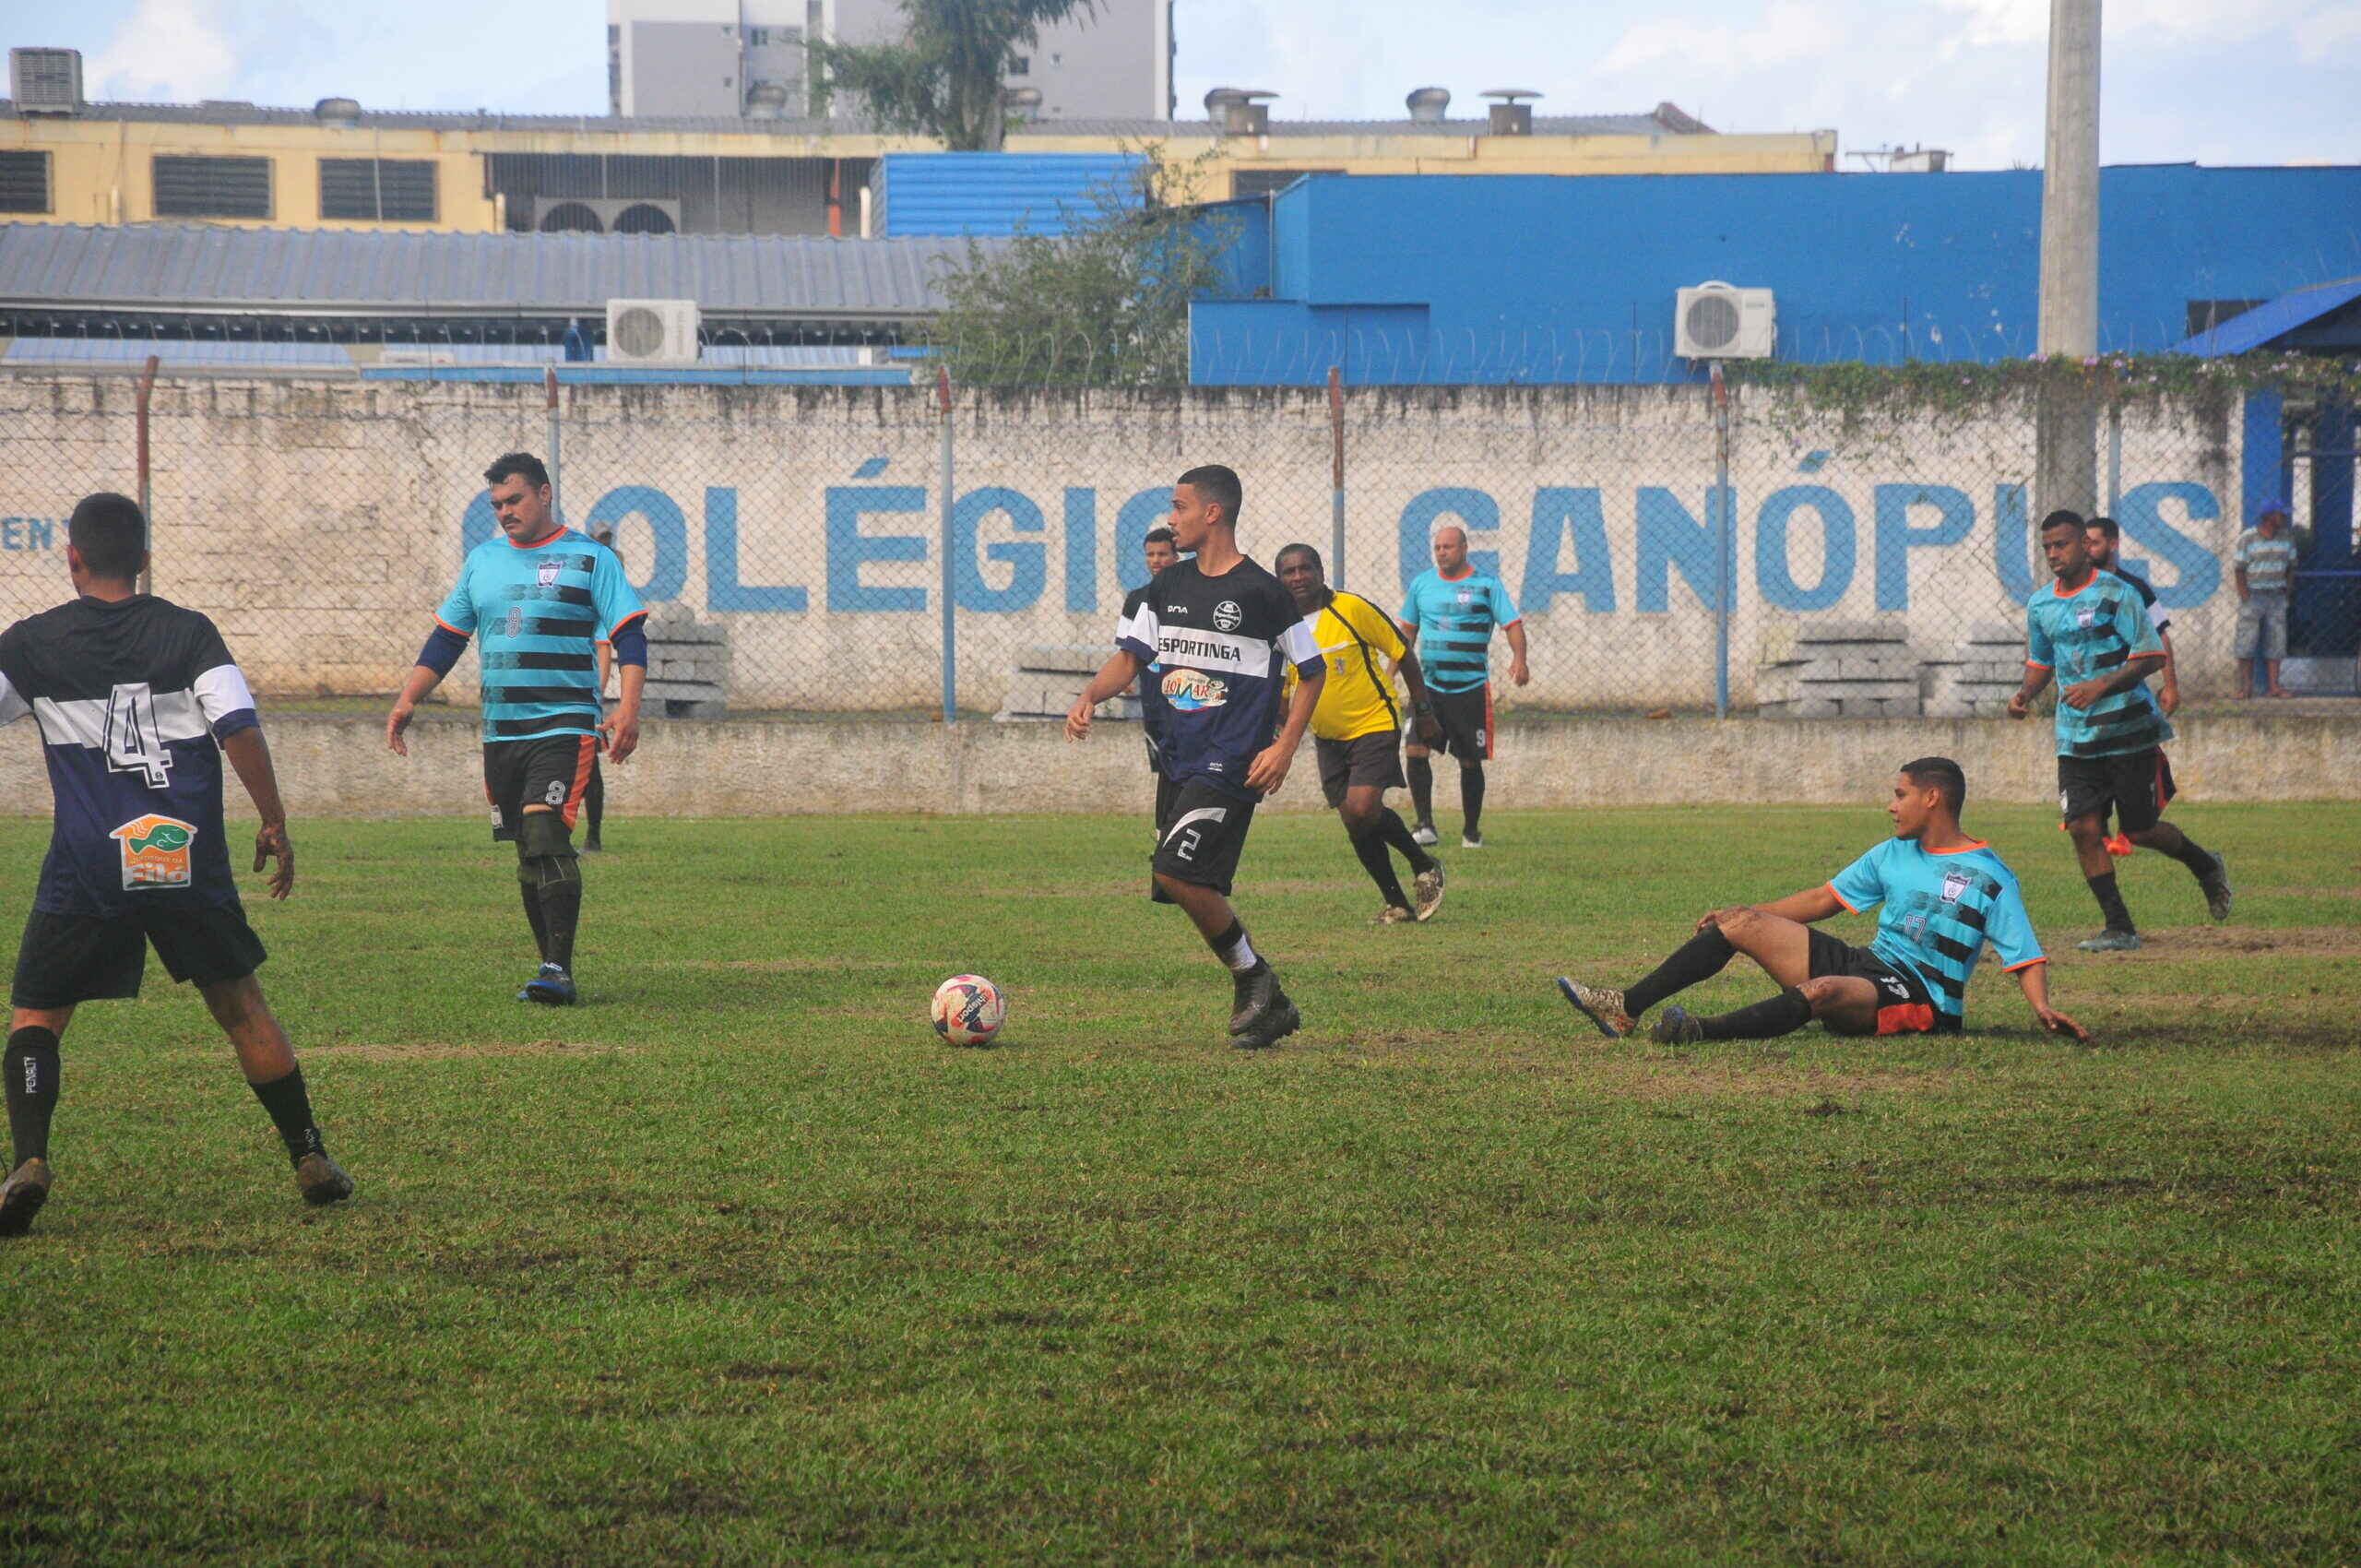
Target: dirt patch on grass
428, 1050
2294, 942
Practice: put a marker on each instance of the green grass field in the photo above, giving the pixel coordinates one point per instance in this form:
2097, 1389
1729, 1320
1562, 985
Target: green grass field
738, 1264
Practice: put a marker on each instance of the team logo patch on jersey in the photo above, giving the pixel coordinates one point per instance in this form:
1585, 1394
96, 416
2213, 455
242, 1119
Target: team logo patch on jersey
1955, 883
2086, 616
548, 571
1192, 691
1226, 615
155, 852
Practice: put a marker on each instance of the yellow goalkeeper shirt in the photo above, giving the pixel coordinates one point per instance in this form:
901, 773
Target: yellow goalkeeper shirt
1353, 635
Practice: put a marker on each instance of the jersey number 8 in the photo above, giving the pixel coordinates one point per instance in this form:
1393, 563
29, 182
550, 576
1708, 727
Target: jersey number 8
134, 745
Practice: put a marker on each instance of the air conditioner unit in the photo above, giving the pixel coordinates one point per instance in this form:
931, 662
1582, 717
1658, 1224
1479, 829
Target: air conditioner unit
46, 81
1714, 321
651, 332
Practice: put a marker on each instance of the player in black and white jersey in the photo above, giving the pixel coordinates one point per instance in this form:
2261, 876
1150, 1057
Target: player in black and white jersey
139, 701
1221, 631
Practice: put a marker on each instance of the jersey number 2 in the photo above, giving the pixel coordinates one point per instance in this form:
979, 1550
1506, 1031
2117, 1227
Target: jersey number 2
134, 744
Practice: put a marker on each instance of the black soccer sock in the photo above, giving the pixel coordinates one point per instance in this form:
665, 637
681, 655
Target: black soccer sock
32, 1069
533, 913
1701, 957
560, 910
1422, 788
290, 1112
2102, 889
594, 801
1780, 1015
2199, 860
1471, 800
1396, 834
1370, 845
1232, 949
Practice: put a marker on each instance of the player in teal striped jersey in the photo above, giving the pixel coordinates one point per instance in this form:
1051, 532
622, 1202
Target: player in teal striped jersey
1944, 895
1451, 612
543, 596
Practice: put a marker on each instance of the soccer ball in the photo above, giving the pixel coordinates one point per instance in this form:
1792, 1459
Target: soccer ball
968, 1010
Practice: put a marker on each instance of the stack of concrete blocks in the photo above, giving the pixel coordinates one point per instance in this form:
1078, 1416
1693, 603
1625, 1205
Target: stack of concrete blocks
688, 666
1977, 678
1051, 675
1836, 669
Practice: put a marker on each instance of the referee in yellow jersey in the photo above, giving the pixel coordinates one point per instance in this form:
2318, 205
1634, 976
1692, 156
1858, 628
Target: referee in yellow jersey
1356, 728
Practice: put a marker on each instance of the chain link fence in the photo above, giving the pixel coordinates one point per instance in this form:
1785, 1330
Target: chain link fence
801, 543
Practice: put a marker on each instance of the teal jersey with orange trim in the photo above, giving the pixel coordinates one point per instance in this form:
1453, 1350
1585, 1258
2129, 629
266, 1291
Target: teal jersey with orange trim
541, 610
2087, 634
1940, 908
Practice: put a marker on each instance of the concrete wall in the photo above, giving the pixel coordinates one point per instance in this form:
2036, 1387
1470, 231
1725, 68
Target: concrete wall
321, 523
335, 767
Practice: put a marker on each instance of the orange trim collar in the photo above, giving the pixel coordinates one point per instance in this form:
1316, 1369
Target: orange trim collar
1961, 849
2069, 593
1464, 572
537, 543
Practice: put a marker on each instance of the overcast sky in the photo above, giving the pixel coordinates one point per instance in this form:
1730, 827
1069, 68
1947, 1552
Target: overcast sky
2212, 81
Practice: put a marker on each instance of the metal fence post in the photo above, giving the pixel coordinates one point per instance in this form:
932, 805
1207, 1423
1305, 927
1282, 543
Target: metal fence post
1725, 545
2115, 460
146, 490
556, 466
1337, 476
950, 623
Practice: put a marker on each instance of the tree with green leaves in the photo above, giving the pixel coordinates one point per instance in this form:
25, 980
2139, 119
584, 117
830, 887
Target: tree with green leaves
944, 78
1102, 302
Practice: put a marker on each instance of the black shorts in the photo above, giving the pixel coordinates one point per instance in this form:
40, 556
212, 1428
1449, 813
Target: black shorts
1199, 833
67, 959
551, 770
1903, 1006
1466, 720
1365, 759
2138, 785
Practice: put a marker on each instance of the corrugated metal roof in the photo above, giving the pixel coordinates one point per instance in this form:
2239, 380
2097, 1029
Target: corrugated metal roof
284, 271
1543, 125
2253, 329
998, 192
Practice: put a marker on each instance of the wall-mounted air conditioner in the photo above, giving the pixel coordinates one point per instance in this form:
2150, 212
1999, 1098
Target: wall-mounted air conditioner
1714, 321
651, 331
46, 81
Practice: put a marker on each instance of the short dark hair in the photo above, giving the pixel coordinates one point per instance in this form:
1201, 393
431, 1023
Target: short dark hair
518, 464
111, 535
1218, 486
1287, 549
2107, 526
2062, 519
1939, 773
1161, 536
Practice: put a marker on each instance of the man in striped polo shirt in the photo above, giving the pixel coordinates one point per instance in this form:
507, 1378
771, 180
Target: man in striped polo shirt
2265, 569
543, 595
1451, 612
2089, 629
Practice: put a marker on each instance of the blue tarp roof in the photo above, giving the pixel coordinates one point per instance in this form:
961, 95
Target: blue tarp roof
2258, 326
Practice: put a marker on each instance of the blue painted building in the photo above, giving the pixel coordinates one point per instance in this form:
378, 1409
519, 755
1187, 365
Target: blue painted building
1542, 279
996, 193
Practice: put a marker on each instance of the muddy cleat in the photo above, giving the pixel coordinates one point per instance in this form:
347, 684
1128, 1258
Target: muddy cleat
322, 1180
2111, 941
22, 1194
1677, 1025
2216, 886
1271, 1021
1245, 993
1394, 914
1426, 891
552, 988
1425, 836
1599, 1005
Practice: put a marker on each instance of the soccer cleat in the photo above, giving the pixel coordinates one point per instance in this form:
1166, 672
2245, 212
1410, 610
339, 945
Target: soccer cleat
1425, 889
1394, 914
2216, 885
593, 846
1246, 992
2111, 941
552, 988
322, 1180
22, 1194
1425, 836
1677, 1025
1270, 1023
1599, 1005
1471, 840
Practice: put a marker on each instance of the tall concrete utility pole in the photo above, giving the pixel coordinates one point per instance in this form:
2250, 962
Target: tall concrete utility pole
2066, 460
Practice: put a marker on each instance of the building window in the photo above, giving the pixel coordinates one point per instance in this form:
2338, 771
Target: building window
212, 187
24, 182
1021, 65
2204, 315
373, 190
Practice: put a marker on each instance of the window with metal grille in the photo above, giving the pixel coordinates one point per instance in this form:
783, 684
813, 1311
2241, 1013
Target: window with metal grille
212, 187
389, 190
24, 182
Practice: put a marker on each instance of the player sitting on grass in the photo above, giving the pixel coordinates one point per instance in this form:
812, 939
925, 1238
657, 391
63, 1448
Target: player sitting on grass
1945, 895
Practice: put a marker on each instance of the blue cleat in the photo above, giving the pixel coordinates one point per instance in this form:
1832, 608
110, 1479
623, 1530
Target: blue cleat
552, 988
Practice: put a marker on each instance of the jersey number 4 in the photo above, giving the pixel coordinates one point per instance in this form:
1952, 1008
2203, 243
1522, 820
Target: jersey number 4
134, 744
